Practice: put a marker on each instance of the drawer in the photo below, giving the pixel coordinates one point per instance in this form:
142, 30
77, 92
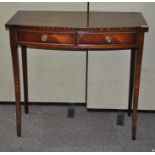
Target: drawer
107, 38
48, 38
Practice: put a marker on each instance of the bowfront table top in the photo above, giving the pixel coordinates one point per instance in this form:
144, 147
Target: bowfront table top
76, 31
70, 19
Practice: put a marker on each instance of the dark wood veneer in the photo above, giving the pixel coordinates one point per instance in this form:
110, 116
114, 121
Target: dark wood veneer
81, 31
100, 38
78, 20
53, 38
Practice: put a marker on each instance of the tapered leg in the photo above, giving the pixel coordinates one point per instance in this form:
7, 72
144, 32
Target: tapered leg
138, 62
25, 77
15, 62
132, 65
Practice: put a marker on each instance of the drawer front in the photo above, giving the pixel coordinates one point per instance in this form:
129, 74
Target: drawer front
107, 38
50, 38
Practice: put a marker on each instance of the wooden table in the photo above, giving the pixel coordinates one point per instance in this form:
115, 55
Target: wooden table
79, 31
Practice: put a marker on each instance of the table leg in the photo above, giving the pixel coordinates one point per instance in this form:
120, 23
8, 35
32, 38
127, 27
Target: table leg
15, 61
25, 77
132, 65
138, 62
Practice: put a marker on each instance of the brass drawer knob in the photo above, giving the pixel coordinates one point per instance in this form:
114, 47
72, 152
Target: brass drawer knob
44, 37
108, 39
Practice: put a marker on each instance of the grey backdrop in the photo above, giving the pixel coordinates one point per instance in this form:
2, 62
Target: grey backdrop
56, 76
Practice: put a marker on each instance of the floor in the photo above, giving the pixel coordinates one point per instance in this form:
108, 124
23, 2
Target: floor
47, 128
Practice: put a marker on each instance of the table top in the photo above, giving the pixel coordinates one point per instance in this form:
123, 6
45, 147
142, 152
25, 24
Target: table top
73, 19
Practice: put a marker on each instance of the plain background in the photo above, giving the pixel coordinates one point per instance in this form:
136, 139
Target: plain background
55, 76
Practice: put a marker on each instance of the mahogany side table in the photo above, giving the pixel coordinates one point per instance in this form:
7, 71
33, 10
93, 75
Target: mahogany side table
79, 31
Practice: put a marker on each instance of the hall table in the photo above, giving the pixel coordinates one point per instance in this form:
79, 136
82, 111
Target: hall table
79, 31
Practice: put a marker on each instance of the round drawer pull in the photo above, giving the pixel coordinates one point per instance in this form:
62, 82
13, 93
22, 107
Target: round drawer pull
108, 39
44, 37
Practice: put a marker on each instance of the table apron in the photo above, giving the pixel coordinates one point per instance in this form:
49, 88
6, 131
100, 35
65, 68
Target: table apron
77, 40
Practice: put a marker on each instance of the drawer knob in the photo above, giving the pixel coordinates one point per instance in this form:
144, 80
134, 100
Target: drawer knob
108, 39
44, 37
